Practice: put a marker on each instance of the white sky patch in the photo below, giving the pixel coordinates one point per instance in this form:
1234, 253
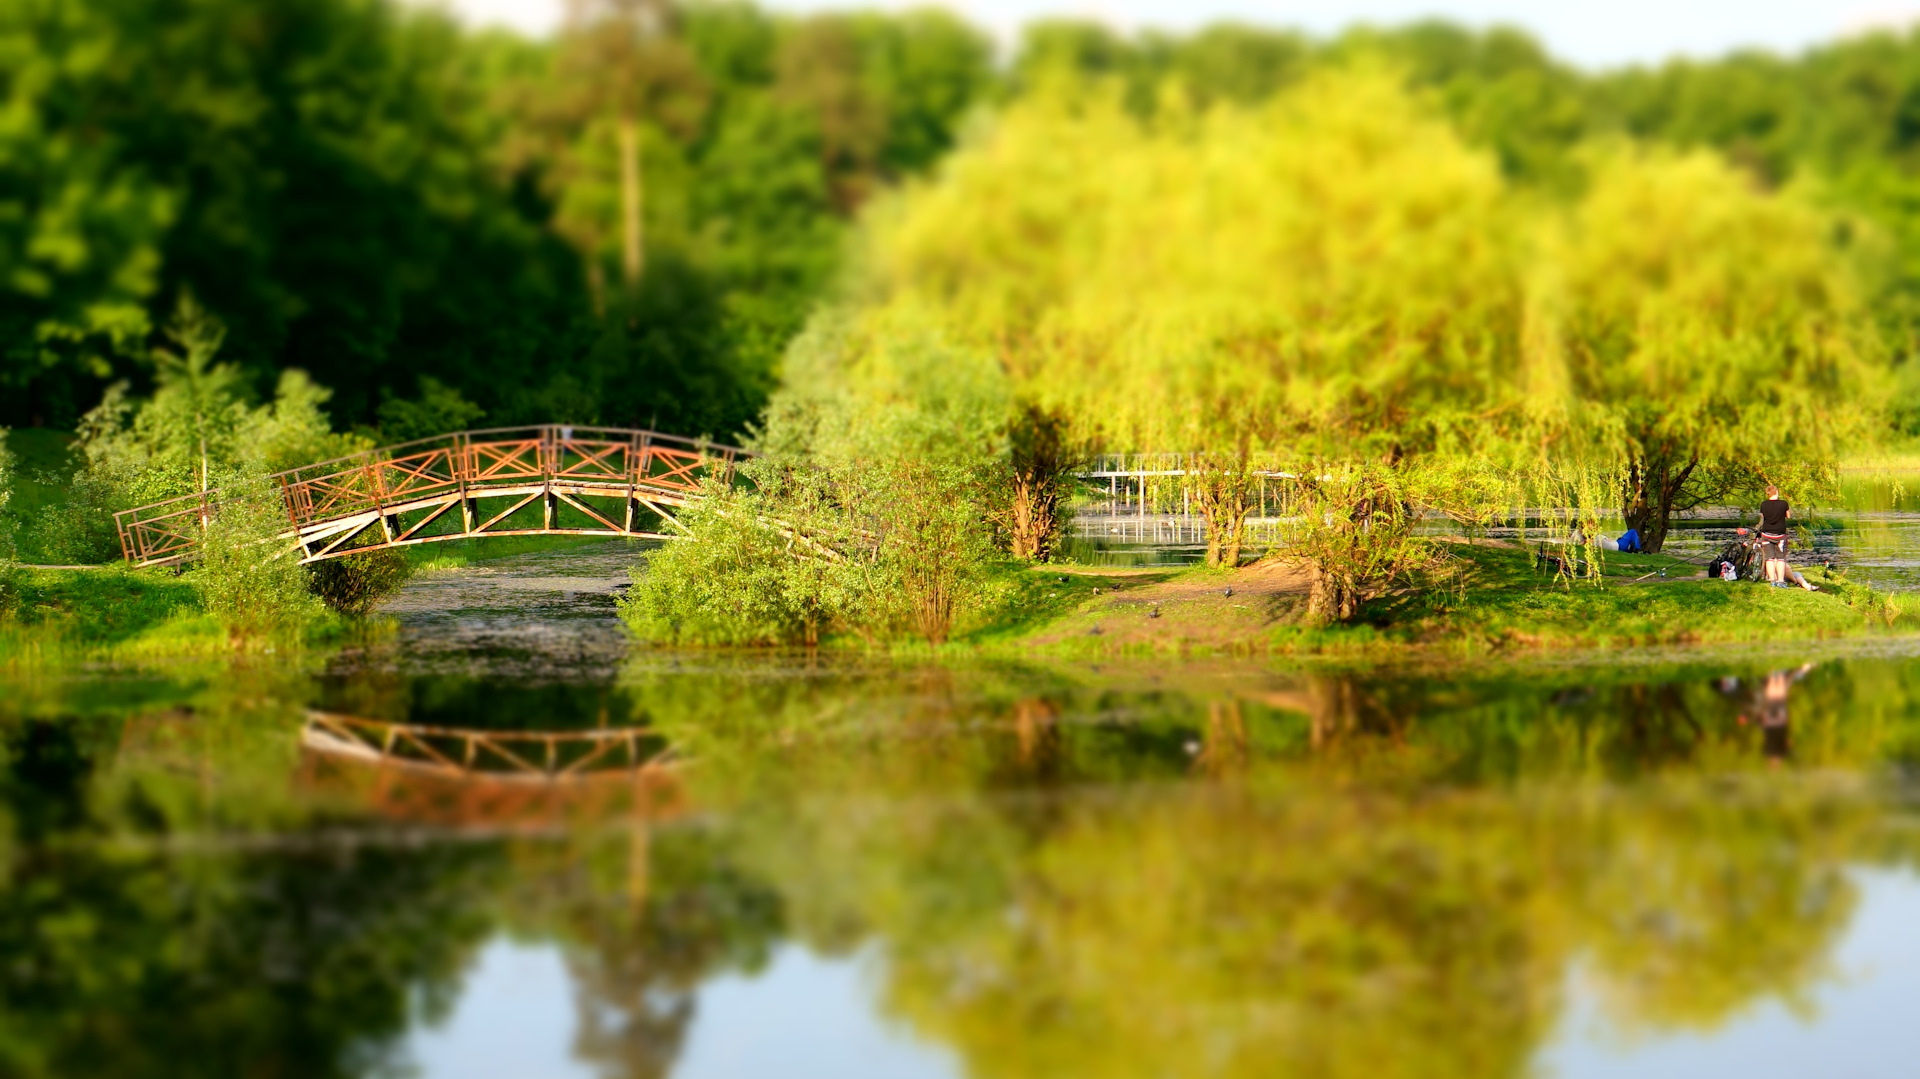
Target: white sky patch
1593, 35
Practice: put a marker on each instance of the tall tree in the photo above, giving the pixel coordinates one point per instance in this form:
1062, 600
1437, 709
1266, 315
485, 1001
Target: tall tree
1711, 329
619, 67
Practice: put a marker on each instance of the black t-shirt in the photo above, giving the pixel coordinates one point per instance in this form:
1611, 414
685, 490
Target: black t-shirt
1773, 516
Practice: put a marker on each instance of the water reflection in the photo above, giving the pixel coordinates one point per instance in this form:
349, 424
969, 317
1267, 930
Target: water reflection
1767, 708
1115, 869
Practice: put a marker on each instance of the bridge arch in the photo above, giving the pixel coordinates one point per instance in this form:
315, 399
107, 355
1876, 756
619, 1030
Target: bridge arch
553, 479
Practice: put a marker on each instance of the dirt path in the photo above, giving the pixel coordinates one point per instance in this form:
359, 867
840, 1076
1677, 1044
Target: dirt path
1190, 612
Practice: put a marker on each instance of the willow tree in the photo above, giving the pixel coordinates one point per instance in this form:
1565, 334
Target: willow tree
1322, 278
1706, 329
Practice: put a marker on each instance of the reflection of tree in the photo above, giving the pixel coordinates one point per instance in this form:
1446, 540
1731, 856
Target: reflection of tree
639, 944
1066, 874
1707, 900
177, 904
281, 963
1282, 924
1237, 933
1347, 893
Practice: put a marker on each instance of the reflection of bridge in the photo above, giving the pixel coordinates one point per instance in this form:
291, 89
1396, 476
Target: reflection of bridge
588, 481
467, 778
506, 756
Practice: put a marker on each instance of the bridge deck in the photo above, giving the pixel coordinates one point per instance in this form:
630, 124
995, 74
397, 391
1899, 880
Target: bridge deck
599, 481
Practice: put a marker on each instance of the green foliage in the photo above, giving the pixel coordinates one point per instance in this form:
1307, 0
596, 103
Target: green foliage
1335, 283
439, 410
1352, 523
739, 580
6, 497
362, 190
1710, 330
199, 431
870, 511
245, 574
1333, 260
356, 583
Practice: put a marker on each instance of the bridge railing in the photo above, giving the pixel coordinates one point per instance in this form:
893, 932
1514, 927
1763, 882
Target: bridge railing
464, 462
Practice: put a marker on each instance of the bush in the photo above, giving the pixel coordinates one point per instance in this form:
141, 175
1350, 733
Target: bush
739, 581
6, 496
355, 584
872, 510
9, 587
247, 576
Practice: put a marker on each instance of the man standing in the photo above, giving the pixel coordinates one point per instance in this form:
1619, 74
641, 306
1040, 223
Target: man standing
1774, 513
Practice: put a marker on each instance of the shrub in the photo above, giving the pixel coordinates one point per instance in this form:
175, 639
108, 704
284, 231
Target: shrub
199, 431
6, 496
739, 581
355, 584
246, 575
9, 587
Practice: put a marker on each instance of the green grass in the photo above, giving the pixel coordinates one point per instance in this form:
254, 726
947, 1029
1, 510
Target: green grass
453, 554
115, 613
1025, 599
1500, 603
1506, 604
41, 462
103, 606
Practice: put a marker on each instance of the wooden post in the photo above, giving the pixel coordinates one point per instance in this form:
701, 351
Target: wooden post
463, 472
286, 498
549, 461
379, 503
634, 458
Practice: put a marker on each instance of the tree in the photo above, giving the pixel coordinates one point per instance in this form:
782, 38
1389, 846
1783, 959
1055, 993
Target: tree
617, 64
80, 234
1330, 275
317, 171
1041, 458
1713, 331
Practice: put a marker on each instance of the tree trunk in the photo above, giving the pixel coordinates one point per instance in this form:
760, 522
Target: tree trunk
630, 235
1651, 489
1230, 558
1334, 598
1033, 516
1040, 458
597, 284
1224, 505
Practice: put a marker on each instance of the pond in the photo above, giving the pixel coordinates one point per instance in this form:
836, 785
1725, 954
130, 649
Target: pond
495, 840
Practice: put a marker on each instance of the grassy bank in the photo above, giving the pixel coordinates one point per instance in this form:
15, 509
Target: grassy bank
113, 613
1500, 604
116, 614
59, 616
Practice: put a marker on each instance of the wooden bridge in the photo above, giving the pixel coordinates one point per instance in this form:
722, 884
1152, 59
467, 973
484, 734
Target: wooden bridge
587, 481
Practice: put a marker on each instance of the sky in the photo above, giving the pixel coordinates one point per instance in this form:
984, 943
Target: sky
1590, 34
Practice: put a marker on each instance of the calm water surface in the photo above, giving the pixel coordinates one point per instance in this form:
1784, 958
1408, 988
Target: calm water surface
1671, 864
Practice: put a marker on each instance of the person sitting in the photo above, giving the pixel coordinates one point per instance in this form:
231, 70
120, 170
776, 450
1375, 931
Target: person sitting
1774, 514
